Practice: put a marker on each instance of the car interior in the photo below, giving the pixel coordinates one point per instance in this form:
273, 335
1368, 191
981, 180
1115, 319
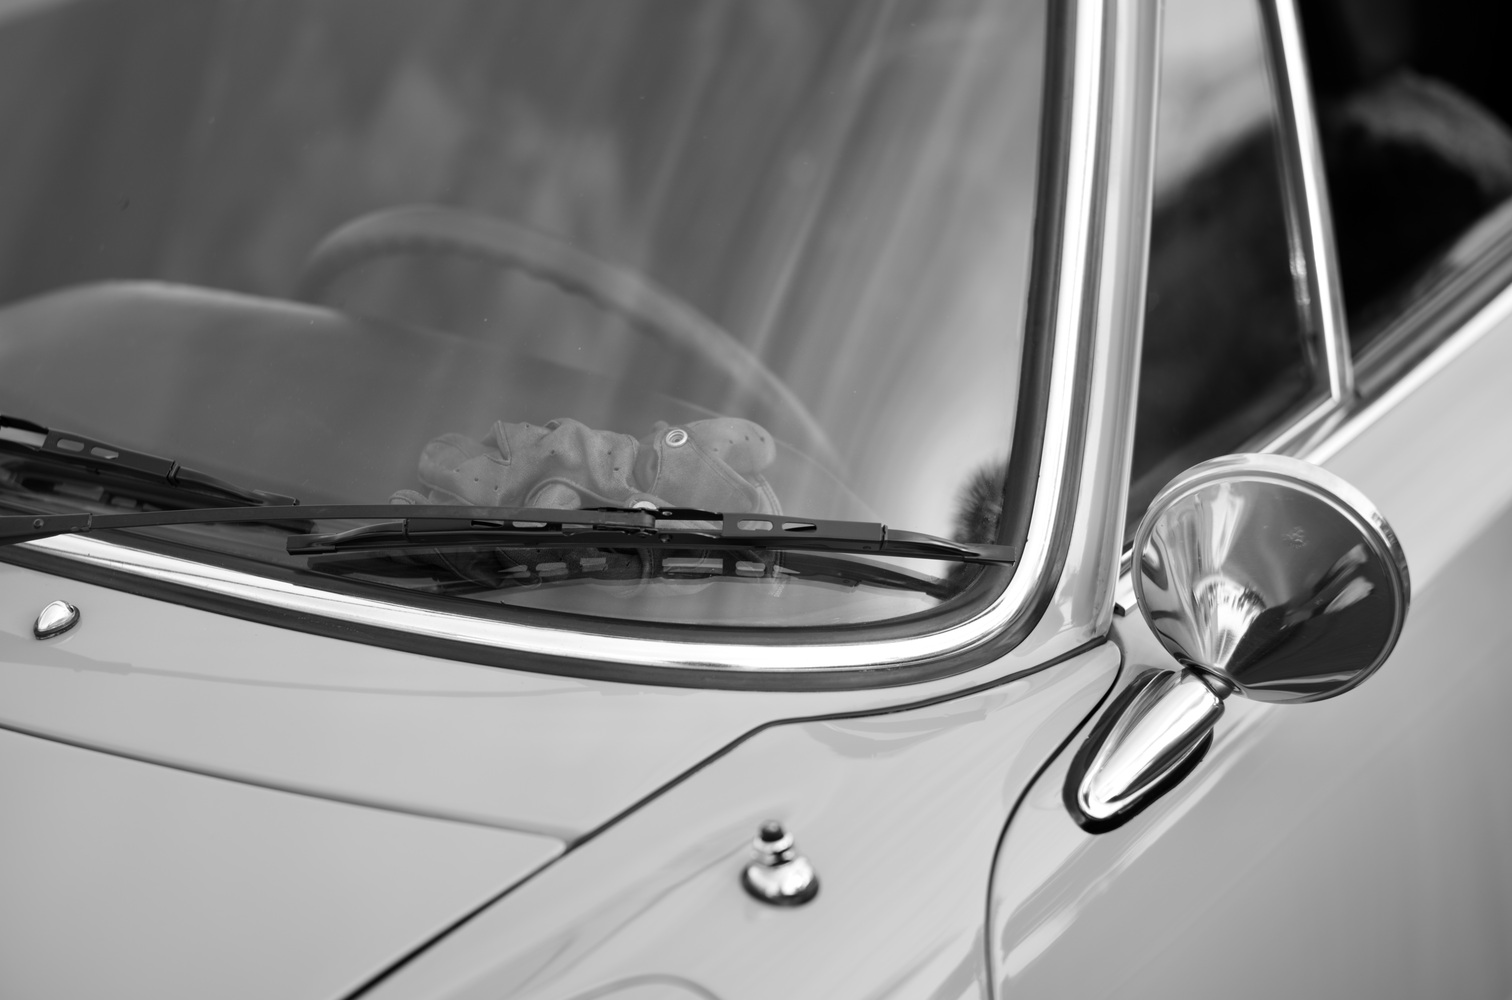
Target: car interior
1415, 111
1223, 354
1415, 117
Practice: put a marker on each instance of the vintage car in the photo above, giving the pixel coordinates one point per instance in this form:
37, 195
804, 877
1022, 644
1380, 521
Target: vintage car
568, 499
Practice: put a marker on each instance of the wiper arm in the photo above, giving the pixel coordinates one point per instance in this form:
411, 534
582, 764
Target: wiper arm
114, 464
531, 528
666, 528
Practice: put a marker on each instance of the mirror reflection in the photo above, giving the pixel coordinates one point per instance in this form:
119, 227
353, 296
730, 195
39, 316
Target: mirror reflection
1273, 576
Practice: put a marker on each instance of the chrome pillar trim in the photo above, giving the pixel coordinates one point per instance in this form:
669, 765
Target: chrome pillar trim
1135, 34
1315, 267
1110, 55
1162, 721
1083, 606
55, 619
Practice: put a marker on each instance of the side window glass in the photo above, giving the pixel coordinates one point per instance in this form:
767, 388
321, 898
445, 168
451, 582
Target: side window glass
1414, 105
1223, 348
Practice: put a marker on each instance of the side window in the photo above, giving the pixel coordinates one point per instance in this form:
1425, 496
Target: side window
1223, 346
1414, 105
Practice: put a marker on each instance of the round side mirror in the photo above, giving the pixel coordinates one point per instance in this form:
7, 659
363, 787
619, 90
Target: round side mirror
1271, 578
1263, 576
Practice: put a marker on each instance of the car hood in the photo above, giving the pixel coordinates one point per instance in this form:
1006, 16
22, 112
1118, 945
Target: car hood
130, 879
190, 791
271, 706
209, 806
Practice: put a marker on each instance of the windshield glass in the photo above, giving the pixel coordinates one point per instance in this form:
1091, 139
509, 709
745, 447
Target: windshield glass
765, 256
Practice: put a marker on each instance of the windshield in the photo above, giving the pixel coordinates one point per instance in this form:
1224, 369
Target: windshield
765, 256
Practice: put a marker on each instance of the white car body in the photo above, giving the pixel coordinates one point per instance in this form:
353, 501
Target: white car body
198, 801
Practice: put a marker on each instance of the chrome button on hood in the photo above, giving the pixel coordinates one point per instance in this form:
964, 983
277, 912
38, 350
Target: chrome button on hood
779, 875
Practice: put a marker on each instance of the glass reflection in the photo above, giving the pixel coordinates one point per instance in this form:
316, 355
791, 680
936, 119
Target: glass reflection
837, 194
1223, 348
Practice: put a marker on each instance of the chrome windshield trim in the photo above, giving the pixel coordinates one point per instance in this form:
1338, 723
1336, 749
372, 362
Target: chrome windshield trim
464, 628
1315, 265
1079, 276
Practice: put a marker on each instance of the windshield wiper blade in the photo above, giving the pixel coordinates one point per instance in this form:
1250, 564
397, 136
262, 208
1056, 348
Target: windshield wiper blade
420, 527
445, 571
111, 464
665, 528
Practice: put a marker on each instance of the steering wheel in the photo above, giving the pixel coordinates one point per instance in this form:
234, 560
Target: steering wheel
435, 229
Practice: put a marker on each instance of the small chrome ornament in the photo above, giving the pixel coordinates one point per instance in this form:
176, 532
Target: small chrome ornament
55, 619
779, 875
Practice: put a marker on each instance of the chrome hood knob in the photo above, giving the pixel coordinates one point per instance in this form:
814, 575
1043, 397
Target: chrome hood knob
779, 874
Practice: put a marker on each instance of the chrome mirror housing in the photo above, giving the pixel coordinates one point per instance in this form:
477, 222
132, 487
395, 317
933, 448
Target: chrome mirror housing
1272, 577
1262, 576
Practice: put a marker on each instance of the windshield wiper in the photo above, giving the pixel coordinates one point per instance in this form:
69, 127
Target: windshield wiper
106, 464
445, 571
421, 528
676, 527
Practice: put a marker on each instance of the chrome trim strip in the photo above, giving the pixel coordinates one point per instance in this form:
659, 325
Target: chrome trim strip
1307, 426
1088, 599
1035, 578
1497, 311
1315, 266
1470, 274
456, 627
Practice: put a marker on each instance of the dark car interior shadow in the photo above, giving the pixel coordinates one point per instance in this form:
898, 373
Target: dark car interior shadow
1414, 107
